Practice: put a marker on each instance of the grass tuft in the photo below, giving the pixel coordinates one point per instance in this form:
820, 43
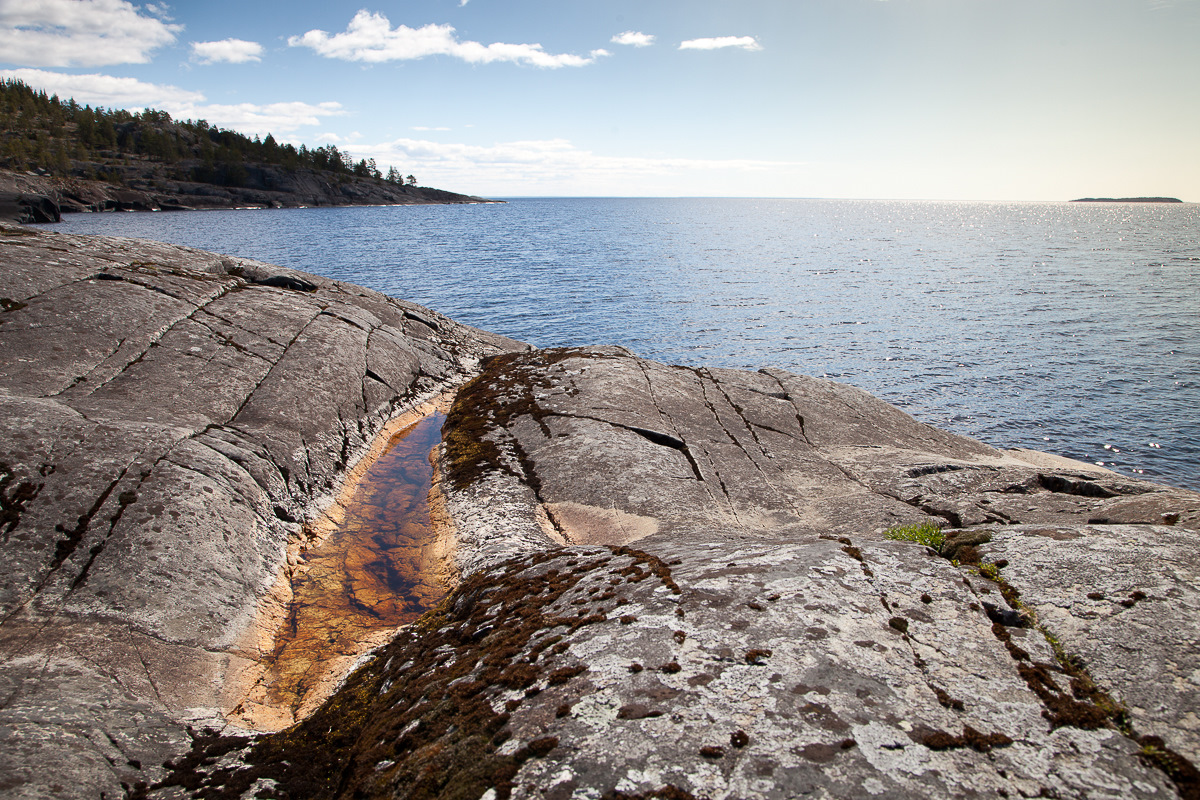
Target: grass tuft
926, 533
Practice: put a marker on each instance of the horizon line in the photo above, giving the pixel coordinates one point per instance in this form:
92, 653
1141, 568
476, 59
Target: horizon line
1171, 201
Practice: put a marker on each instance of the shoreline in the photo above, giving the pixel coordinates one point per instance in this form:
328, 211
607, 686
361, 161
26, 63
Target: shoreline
35, 199
193, 410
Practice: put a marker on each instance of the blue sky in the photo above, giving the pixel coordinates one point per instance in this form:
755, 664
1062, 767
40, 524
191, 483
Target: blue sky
937, 99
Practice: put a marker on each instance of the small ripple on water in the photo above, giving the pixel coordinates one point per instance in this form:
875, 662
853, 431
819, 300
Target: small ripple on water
1077, 289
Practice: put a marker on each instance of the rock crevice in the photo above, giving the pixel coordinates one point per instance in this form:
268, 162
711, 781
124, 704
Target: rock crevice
772, 635
173, 415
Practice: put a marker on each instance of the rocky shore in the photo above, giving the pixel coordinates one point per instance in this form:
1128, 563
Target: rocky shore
671, 582
170, 418
29, 198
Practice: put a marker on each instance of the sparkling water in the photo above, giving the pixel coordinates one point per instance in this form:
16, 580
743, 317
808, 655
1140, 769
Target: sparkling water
1067, 327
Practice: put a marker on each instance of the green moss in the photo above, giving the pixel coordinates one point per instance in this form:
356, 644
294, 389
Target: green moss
478, 409
418, 721
488, 405
1182, 772
926, 533
980, 742
989, 571
757, 656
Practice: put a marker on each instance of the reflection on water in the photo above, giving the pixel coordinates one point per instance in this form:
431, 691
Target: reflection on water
377, 571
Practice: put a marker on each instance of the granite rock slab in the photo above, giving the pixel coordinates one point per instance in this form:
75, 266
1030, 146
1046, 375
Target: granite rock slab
679, 583
170, 419
762, 669
1071, 630
608, 448
674, 582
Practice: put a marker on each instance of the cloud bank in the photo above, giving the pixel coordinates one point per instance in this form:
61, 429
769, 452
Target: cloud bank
718, 42
129, 93
87, 33
549, 165
227, 51
371, 38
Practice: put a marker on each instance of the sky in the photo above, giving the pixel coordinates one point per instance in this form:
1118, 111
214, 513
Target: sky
890, 99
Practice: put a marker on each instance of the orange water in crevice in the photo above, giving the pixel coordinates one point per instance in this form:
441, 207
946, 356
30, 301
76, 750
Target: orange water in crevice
378, 569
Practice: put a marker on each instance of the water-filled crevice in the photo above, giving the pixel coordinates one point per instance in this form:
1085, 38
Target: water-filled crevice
376, 569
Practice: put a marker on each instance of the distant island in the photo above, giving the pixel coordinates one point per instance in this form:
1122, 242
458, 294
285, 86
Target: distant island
1127, 200
59, 156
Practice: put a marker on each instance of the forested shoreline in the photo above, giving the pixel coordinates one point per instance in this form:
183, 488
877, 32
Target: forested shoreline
46, 135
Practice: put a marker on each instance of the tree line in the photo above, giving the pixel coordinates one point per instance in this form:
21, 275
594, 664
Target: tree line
42, 133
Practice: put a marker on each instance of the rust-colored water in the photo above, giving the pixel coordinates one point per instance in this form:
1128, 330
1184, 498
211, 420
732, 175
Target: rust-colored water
376, 571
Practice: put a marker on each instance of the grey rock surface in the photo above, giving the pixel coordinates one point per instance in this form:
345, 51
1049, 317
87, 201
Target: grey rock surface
614, 449
169, 418
674, 583
743, 478
1125, 599
679, 583
759, 669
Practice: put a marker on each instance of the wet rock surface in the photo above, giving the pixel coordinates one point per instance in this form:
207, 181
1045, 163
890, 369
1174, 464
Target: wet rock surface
170, 418
678, 583
377, 564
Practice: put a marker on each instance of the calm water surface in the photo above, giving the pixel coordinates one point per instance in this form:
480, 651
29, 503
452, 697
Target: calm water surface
1072, 328
375, 573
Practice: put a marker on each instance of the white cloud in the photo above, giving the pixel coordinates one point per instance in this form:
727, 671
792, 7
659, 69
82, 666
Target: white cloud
261, 119
371, 38
228, 51
635, 38
135, 95
718, 42
88, 33
105, 90
552, 166
333, 138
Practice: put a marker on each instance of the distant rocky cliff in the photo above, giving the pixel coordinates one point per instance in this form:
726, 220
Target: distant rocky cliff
35, 198
674, 582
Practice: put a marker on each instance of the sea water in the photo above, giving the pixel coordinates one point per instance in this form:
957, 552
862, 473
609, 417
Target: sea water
1072, 328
